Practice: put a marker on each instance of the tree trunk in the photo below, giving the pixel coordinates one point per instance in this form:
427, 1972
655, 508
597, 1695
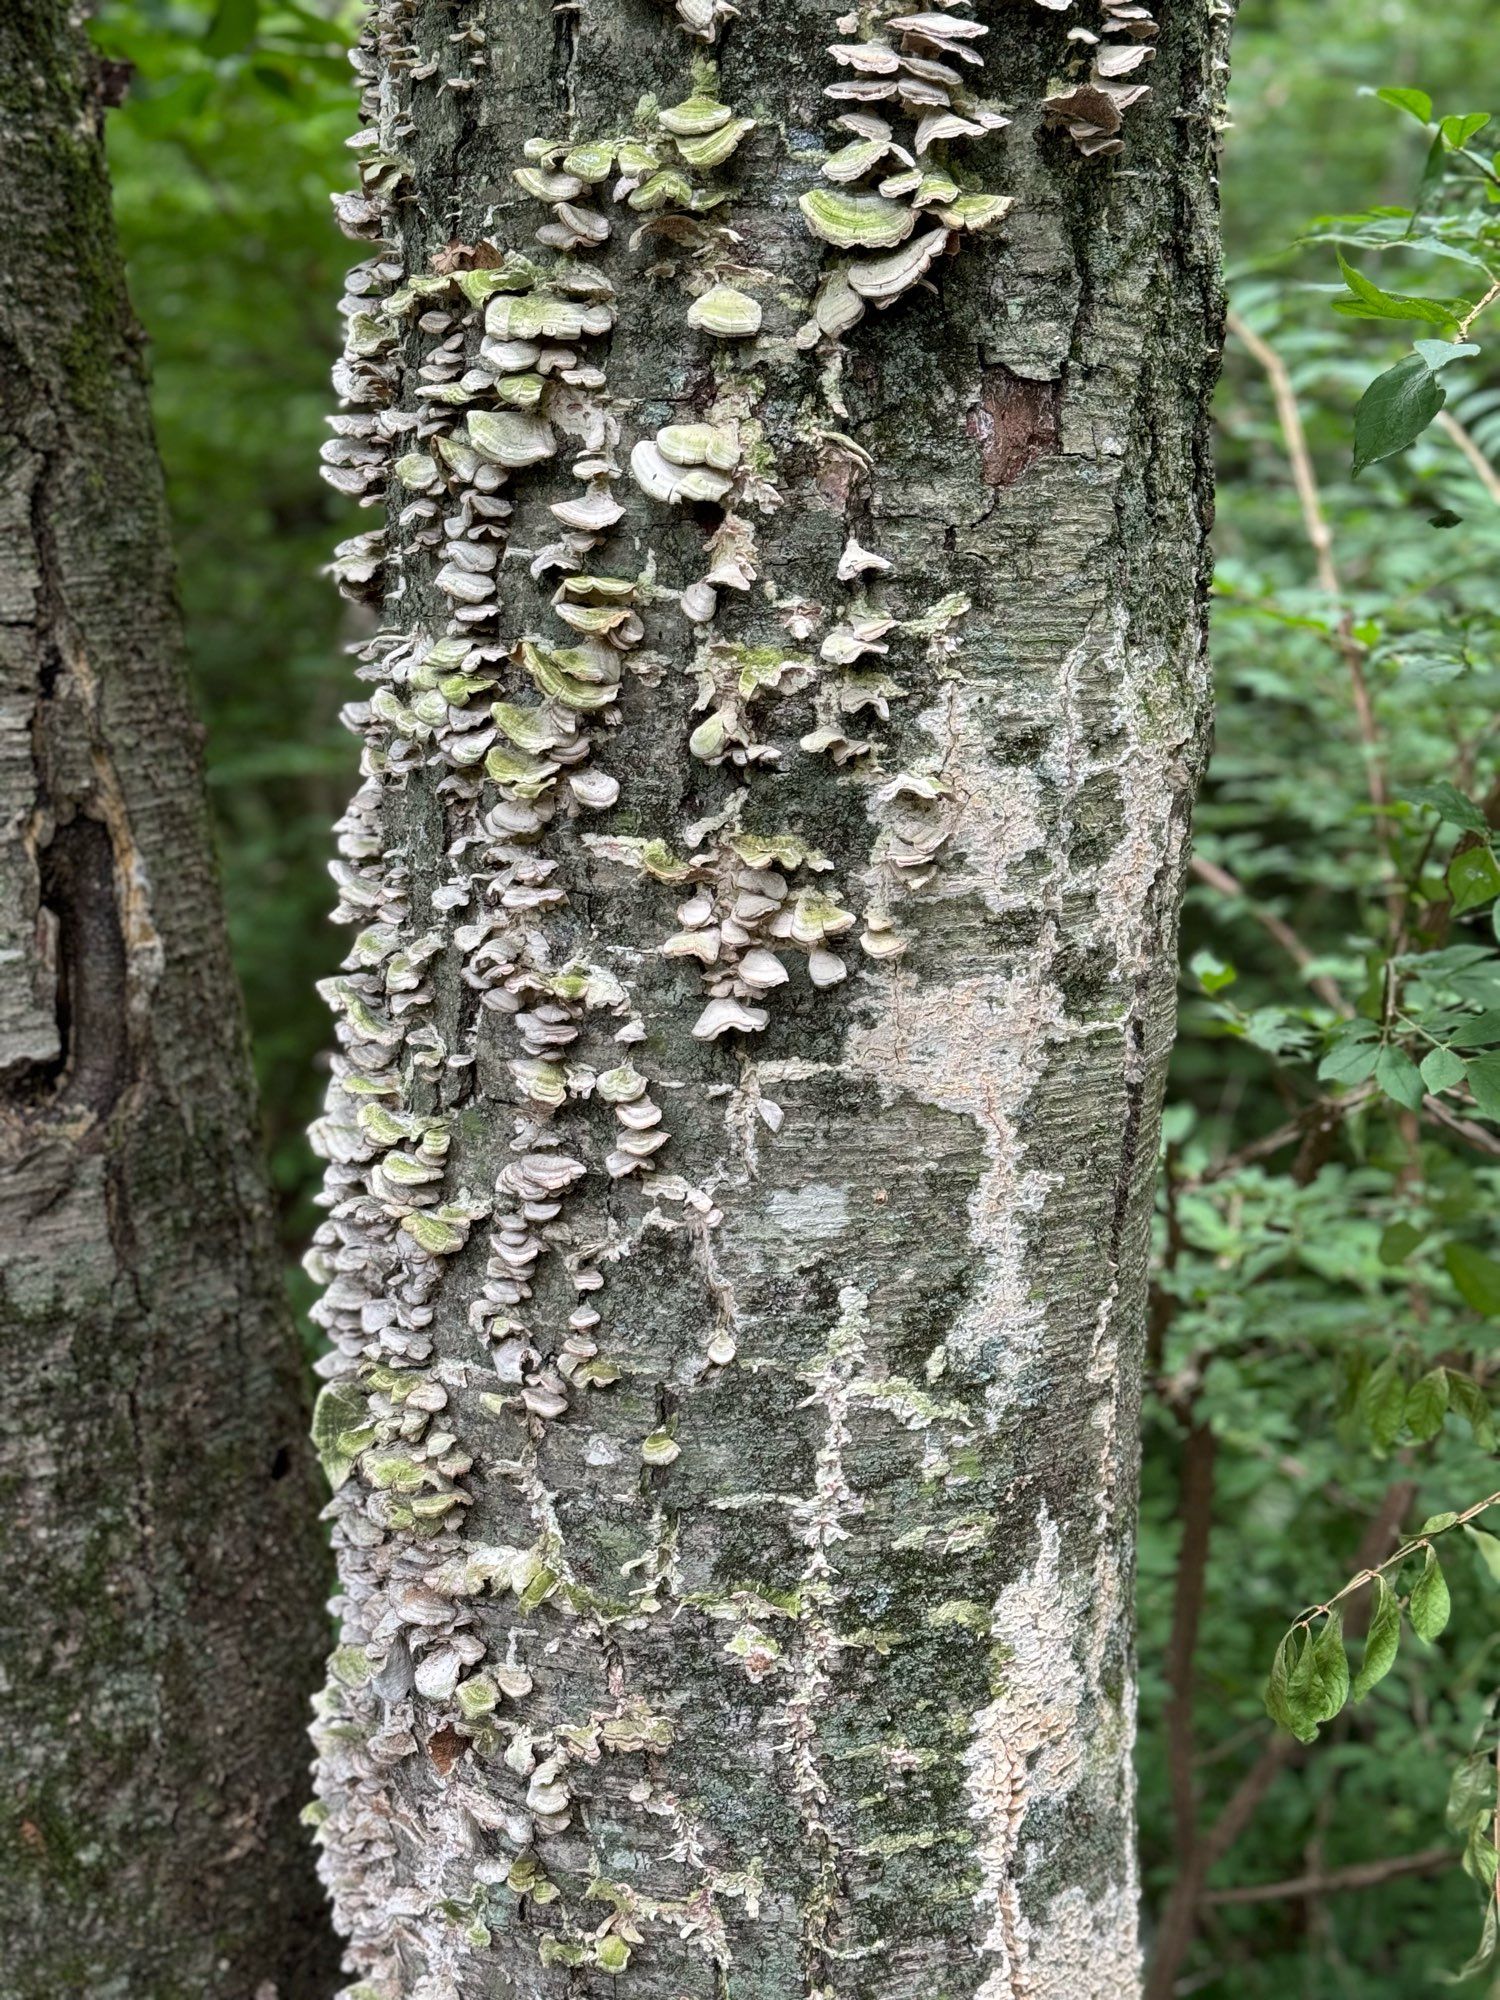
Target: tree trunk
743, 1132
159, 1566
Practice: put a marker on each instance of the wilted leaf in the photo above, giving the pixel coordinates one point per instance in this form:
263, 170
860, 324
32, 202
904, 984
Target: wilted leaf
1382, 1403
1318, 1684
1429, 1603
1467, 1400
1382, 1641
1426, 1404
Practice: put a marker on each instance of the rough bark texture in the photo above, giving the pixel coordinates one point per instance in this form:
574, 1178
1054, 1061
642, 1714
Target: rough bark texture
768, 1634
159, 1566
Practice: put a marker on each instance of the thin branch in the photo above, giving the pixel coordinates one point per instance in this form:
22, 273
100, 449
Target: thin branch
1315, 524
1488, 478
1462, 1128
1321, 1115
1195, 1509
1214, 877
1359, 1875
1372, 1570
1480, 305
1314, 520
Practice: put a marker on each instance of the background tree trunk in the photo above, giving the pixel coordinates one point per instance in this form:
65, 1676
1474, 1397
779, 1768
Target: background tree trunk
766, 1623
159, 1567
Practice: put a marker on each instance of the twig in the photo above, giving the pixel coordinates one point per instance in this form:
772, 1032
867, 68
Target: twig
1226, 884
1359, 1875
1479, 306
1463, 1128
1324, 1113
1488, 478
1315, 524
1195, 1509
1314, 520
1369, 1573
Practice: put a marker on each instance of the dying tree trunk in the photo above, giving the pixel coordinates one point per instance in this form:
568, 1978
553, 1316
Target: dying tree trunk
779, 753
159, 1566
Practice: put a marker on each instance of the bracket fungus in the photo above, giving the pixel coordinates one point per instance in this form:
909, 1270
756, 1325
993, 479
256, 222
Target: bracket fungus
911, 65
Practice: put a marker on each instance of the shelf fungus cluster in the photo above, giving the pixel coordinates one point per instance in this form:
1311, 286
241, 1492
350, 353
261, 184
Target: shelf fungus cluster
1092, 110
656, 172
911, 809
510, 721
891, 197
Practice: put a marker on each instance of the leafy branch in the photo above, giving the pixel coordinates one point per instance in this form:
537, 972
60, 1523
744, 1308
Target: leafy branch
1310, 1680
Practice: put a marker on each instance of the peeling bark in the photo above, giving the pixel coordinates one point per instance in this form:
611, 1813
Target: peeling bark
159, 1568
733, 1406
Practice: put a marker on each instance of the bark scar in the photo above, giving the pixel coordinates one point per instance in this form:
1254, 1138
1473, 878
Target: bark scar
1015, 423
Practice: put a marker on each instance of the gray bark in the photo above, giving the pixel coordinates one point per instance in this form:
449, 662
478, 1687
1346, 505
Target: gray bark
736, 1538
159, 1565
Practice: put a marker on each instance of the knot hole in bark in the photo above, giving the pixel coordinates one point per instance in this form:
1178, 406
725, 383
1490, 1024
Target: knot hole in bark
81, 934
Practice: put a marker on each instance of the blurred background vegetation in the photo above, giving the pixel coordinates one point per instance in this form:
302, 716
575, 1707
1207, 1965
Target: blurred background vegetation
1325, 1243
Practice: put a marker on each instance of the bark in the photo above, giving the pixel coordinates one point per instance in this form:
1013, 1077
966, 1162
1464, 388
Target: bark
736, 1537
159, 1567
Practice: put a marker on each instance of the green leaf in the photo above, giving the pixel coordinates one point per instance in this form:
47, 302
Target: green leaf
1442, 1069
1460, 126
1489, 1550
1429, 1604
1382, 1403
1427, 1404
1441, 797
1473, 878
1399, 1077
1484, 1081
1467, 1400
1417, 102
1438, 353
1476, 1276
1381, 1644
1318, 1684
1395, 410
1398, 1241
1434, 168
1212, 973
1369, 301
1477, 1031
232, 27
1352, 1056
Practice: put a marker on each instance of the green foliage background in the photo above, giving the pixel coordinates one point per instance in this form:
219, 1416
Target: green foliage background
1304, 1292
